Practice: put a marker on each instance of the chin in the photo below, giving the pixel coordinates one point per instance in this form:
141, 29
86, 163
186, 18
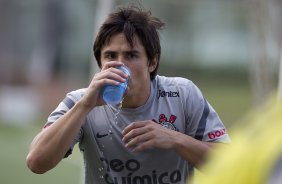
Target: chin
128, 95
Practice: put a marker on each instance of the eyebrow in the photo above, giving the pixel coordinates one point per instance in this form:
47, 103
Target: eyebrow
126, 52
108, 52
132, 52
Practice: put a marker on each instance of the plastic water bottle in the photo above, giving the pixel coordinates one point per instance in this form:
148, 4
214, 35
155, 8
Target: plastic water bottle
114, 94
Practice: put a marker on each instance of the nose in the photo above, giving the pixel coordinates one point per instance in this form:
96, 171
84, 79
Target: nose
122, 60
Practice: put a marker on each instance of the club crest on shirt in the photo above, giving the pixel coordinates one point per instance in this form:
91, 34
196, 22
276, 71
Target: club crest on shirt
167, 122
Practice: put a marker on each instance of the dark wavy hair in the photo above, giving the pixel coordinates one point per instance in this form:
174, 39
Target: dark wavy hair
131, 21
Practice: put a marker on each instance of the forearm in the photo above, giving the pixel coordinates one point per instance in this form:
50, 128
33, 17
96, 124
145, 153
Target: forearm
193, 151
52, 143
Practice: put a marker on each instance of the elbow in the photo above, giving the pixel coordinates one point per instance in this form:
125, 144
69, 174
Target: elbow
35, 164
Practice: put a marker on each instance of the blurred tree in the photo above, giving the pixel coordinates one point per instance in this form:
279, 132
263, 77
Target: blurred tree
261, 70
9, 20
102, 10
48, 66
47, 58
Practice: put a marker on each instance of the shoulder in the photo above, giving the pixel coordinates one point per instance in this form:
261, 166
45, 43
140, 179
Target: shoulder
77, 94
184, 87
173, 81
177, 83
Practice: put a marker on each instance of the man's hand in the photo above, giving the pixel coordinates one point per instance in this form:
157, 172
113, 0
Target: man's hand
142, 135
107, 75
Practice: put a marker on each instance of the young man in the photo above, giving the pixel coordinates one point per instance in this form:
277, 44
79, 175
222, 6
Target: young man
164, 128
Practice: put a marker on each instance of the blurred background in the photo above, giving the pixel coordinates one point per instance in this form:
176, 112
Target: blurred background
230, 49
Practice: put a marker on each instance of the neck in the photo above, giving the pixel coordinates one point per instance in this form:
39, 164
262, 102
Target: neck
138, 99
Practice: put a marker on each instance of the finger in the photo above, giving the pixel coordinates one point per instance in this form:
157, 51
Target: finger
134, 133
138, 140
113, 67
133, 125
111, 64
112, 75
98, 82
143, 146
115, 74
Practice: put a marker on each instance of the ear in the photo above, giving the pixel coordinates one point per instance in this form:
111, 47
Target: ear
153, 64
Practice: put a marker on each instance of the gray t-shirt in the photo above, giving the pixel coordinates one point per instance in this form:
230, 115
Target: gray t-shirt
175, 103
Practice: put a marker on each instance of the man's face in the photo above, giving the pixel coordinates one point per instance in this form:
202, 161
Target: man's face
135, 58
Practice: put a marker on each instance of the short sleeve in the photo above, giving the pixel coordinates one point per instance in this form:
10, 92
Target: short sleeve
203, 121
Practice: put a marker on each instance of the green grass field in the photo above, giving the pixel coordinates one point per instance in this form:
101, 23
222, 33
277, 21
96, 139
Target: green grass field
14, 143
230, 98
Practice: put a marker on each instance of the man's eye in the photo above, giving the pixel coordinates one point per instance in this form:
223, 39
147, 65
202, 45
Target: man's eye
110, 56
130, 55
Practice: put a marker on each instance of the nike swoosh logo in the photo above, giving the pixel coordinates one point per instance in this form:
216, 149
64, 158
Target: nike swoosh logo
98, 135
